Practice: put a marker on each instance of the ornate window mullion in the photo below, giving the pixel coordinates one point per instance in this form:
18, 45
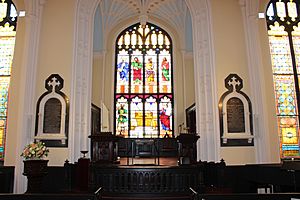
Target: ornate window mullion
281, 26
148, 67
130, 97
296, 79
7, 41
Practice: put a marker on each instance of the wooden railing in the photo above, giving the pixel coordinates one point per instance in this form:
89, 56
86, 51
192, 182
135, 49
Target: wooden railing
45, 196
146, 179
194, 195
248, 196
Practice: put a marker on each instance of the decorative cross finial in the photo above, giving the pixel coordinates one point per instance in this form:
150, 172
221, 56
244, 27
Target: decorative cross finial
53, 83
234, 83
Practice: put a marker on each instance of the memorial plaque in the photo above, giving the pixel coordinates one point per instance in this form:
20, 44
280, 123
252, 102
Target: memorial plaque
235, 116
52, 116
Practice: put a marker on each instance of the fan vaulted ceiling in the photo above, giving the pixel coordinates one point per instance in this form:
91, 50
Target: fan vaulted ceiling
110, 13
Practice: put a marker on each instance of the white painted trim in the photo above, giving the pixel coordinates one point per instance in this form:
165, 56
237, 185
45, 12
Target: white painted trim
205, 86
204, 77
242, 135
189, 55
99, 54
80, 110
52, 136
255, 66
25, 132
183, 86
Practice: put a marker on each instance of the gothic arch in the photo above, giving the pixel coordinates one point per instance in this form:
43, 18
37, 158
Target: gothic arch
205, 85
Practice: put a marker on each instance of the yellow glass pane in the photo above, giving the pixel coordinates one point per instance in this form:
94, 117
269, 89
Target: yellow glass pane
147, 42
6, 54
277, 30
289, 135
133, 38
292, 10
281, 10
120, 42
140, 41
7, 30
127, 39
147, 29
3, 9
154, 39
160, 38
167, 42
296, 31
140, 30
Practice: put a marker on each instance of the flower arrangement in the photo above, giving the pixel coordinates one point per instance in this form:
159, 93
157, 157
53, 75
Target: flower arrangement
35, 151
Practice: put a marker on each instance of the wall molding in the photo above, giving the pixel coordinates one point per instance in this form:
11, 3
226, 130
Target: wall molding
25, 132
80, 110
205, 85
250, 11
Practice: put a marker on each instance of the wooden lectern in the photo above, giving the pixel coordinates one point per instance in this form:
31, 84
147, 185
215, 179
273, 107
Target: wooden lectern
187, 148
104, 148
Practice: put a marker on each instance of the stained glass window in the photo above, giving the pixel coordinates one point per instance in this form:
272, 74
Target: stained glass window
283, 23
143, 89
8, 21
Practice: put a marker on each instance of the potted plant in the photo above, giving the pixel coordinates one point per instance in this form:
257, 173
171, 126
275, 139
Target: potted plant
35, 167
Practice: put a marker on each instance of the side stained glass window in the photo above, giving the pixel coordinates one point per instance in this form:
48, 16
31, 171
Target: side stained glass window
283, 23
8, 22
143, 83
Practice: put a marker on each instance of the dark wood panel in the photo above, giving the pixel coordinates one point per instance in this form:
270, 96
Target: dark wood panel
45, 196
253, 196
6, 179
164, 147
146, 180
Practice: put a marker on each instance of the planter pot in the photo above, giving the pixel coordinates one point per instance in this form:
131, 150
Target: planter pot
35, 170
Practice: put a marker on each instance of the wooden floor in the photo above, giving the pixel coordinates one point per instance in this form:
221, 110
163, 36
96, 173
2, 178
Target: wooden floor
162, 161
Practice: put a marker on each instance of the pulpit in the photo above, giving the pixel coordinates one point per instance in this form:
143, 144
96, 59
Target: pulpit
104, 148
187, 148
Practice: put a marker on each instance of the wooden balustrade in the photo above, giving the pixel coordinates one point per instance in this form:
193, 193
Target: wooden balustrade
146, 179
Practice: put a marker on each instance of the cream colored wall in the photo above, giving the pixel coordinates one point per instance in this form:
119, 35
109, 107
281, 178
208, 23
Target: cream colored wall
230, 57
238, 155
15, 90
189, 80
230, 54
56, 43
56, 54
97, 76
179, 87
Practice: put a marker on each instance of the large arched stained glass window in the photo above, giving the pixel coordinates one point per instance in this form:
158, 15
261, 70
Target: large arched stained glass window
283, 23
143, 89
8, 21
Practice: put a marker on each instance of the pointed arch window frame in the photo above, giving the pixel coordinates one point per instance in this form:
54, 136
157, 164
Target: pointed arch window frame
8, 25
143, 43
281, 21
